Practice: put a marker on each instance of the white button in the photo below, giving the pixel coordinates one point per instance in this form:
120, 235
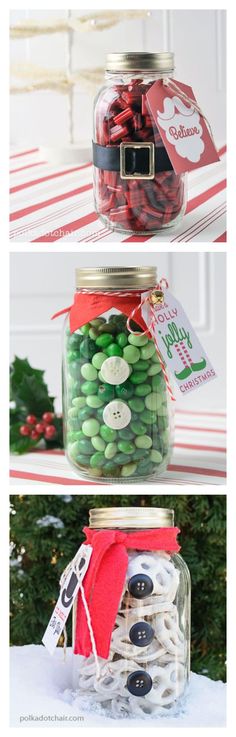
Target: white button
115, 370
117, 414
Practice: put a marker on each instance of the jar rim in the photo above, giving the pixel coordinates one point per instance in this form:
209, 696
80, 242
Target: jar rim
131, 277
131, 517
161, 61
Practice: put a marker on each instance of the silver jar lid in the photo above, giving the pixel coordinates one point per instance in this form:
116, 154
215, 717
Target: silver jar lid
134, 61
132, 277
131, 517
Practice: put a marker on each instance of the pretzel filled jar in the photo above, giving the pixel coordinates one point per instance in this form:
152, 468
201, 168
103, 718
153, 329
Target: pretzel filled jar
136, 650
116, 407
135, 187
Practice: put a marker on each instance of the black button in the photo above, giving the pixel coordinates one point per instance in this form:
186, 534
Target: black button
141, 634
139, 683
140, 585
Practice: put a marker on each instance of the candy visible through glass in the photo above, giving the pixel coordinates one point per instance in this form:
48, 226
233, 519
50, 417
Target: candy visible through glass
117, 421
121, 116
147, 669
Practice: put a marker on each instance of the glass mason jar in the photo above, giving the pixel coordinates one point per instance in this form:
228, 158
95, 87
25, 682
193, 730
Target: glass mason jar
147, 670
118, 419
135, 187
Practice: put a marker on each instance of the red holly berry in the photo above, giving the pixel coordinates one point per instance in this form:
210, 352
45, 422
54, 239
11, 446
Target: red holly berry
24, 430
31, 419
34, 435
48, 417
50, 432
40, 427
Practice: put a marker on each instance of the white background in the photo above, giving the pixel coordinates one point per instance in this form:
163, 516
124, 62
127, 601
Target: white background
42, 284
196, 36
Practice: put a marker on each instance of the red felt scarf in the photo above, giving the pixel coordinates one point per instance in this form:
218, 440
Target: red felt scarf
105, 578
87, 306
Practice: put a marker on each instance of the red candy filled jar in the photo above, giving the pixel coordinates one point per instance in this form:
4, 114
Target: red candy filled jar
136, 189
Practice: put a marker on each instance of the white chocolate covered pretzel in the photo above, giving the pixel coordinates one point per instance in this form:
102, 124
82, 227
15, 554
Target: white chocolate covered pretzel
160, 569
167, 683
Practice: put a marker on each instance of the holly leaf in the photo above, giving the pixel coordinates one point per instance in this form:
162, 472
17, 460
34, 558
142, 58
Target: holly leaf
28, 389
29, 395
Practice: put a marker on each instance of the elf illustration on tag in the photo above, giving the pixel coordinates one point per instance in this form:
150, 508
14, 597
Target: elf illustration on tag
180, 339
182, 127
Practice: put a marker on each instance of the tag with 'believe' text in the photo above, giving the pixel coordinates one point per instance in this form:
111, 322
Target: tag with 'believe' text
183, 130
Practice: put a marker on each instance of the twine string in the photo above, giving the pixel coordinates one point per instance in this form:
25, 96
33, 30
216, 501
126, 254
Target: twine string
73, 565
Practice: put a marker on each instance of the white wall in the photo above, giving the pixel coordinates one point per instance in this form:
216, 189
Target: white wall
196, 36
41, 284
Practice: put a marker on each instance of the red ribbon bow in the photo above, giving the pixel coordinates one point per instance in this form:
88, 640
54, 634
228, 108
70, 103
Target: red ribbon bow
105, 578
87, 306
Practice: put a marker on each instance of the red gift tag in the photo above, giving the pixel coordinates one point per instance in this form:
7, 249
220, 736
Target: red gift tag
182, 128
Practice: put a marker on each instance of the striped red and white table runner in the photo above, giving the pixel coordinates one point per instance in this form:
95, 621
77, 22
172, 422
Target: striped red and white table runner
51, 203
199, 456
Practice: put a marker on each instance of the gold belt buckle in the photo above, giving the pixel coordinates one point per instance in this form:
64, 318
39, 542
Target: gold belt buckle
151, 161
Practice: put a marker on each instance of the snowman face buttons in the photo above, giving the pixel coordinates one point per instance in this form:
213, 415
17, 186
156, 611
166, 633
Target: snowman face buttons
140, 586
139, 683
117, 415
115, 370
141, 634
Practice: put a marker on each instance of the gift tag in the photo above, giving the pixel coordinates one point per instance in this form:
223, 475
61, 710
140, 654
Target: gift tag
178, 344
68, 593
183, 129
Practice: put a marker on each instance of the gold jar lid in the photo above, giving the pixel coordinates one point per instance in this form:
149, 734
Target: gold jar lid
134, 61
132, 277
130, 517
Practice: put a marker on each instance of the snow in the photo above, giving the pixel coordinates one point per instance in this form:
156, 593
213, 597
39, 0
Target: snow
49, 520
42, 693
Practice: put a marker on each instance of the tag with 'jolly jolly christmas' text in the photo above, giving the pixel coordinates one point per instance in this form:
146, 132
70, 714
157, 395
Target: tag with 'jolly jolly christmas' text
182, 128
178, 344
68, 593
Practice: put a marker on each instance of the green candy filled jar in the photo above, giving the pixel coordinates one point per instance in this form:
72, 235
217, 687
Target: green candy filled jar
118, 422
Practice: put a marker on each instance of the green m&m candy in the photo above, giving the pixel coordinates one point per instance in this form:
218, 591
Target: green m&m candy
143, 441
108, 434
131, 354
153, 401
148, 350
98, 359
90, 427
106, 392
124, 391
104, 340
110, 450
98, 443
138, 340
113, 350
89, 387
136, 404
125, 446
87, 348
138, 377
89, 372
142, 390
122, 339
